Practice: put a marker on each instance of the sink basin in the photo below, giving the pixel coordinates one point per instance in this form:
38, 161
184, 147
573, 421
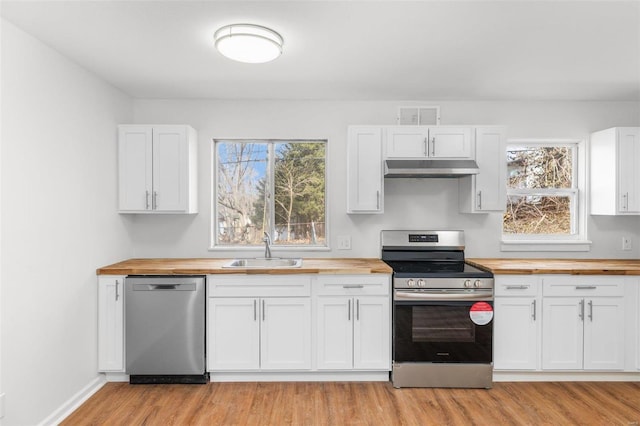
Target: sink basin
264, 262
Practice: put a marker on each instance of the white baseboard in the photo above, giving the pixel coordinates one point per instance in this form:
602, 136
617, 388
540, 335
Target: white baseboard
315, 376
74, 402
566, 376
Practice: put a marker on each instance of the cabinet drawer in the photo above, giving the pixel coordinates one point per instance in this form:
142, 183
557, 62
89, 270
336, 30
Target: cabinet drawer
516, 285
339, 285
577, 285
259, 285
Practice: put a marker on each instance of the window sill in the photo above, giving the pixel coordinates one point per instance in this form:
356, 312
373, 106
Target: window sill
545, 245
274, 249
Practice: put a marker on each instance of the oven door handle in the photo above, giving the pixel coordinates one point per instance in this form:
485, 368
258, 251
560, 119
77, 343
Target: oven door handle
423, 295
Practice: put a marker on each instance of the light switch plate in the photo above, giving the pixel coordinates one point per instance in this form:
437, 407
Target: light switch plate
344, 242
1, 405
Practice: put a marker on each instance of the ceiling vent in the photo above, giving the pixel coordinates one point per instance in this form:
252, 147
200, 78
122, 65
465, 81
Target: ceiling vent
419, 116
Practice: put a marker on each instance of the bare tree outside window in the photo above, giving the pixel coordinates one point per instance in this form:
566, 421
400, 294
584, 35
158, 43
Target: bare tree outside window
541, 190
270, 186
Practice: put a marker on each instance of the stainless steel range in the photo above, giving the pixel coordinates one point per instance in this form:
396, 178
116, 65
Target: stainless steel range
442, 311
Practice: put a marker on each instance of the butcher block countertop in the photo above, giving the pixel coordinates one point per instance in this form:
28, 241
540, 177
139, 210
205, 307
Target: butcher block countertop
559, 266
202, 266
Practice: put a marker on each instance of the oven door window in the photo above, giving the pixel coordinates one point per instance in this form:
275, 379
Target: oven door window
440, 332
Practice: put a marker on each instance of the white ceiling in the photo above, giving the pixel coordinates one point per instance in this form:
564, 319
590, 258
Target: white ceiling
353, 50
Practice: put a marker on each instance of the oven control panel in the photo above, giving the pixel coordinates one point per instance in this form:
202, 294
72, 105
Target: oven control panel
443, 283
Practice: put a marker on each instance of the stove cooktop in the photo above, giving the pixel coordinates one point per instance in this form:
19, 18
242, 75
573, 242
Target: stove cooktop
412, 269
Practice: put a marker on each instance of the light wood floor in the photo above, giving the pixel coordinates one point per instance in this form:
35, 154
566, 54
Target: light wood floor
559, 403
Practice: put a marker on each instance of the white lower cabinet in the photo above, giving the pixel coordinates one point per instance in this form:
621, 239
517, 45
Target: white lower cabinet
110, 323
584, 323
353, 333
259, 333
517, 323
353, 323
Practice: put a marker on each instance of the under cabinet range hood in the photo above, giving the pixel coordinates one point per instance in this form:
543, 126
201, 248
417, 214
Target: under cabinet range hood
430, 168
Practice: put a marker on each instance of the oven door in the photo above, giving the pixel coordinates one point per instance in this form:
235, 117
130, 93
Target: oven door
443, 331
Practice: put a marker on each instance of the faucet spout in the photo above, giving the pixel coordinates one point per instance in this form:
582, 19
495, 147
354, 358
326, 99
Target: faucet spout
267, 245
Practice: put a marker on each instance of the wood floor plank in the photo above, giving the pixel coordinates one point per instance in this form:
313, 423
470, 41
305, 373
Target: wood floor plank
356, 404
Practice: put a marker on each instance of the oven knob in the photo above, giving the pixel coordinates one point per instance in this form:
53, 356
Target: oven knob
467, 283
421, 283
477, 284
411, 283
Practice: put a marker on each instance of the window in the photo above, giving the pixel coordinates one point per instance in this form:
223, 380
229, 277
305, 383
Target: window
273, 186
544, 187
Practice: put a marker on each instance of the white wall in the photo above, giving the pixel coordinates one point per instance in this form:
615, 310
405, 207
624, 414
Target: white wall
58, 222
409, 203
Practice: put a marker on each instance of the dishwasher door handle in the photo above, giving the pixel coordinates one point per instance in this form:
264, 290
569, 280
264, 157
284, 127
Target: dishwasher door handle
165, 287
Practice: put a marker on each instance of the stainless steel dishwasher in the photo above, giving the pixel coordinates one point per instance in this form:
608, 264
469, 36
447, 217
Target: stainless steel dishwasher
165, 329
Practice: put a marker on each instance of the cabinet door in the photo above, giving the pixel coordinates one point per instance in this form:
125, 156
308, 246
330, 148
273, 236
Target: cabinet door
334, 327
604, 326
515, 338
110, 323
628, 171
170, 168
450, 142
135, 177
285, 338
233, 334
371, 333
562, 333
407, 142
490, 183
364, 174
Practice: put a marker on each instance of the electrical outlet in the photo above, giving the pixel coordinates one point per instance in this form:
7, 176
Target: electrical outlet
626, 243
344, 242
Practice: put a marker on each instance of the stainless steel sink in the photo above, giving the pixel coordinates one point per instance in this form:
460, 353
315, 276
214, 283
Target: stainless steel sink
265, 262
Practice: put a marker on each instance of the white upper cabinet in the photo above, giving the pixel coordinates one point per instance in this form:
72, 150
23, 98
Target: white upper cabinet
407, 142
429, 142
157, 169
364, 170
615, 175
486, 191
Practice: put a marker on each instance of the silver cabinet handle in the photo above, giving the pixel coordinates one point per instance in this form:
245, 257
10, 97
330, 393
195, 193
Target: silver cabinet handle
154, 200
353, 286
264, 314
146, 200
480, 199
117, 285
433, 146
533, 308
378, 200
586, 287
357, 309
517, 287
581, 313
591, 310
255, 310
349, 310
625, 201
426, 149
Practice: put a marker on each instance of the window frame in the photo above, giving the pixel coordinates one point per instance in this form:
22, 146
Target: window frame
577, 241
214, 245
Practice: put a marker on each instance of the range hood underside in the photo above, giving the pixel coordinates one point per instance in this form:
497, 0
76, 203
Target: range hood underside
430, 168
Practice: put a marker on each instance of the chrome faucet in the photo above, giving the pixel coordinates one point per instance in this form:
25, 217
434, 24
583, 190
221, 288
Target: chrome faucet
267, 245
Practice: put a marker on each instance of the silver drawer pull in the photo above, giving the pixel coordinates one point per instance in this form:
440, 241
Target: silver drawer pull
517, 287
586, 287
353, 286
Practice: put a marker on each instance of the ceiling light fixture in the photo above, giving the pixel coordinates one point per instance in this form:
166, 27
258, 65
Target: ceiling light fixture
248, 43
